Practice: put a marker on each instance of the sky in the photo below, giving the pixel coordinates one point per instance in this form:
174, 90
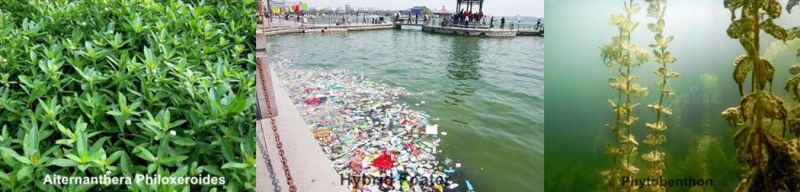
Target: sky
490, 7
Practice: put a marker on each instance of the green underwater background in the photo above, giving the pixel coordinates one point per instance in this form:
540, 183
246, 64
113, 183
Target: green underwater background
699, 141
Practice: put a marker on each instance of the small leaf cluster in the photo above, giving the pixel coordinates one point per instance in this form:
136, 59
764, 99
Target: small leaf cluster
124, 87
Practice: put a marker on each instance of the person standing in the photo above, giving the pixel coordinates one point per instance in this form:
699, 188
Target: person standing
502, 22
538, 24
491, 23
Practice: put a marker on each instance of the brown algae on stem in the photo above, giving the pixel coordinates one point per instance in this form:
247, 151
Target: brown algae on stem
624, 55
771, 160
663, 58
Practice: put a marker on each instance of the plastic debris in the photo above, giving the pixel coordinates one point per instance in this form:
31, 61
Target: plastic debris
362, 126
432, 129
383, 162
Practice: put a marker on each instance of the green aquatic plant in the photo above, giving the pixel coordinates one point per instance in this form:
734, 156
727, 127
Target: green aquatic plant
793, 83
664, 58
621, 53
771, 160
794, 32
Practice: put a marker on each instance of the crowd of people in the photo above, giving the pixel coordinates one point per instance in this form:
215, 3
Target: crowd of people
468, 16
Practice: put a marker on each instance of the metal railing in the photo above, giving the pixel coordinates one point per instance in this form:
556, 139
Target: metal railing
490, 25
316, 20
289, 21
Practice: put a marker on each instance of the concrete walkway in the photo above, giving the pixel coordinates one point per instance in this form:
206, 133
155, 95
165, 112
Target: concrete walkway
311, 170
280, 27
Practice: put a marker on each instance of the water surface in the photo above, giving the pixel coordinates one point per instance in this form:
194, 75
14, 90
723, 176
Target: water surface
485, 92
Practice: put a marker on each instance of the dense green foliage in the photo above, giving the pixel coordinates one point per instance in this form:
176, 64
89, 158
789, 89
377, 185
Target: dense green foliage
122, 87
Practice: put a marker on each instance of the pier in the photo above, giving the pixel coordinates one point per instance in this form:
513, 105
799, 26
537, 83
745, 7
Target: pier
322, 28
290, 27
280, 26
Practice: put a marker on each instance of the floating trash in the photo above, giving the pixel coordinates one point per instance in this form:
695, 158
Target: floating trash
363, 130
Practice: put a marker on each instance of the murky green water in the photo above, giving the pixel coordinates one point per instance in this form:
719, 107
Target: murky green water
699, 142
487, 93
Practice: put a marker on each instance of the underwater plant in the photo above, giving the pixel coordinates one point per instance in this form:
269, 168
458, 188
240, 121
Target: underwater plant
794, 32
771, 160
663, 57
793, 84
622, 54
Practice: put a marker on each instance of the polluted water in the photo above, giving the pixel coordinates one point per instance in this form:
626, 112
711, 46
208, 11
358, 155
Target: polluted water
364, 130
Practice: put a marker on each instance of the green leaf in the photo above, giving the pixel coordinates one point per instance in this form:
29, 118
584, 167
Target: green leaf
238, 106
233, 165
125, 164
227, 148
73, 157
182, 141
176, 123
152, 168
4, 136
182, 170
212, 170
114, 156
114, 113
15, 155
64, 131
62, 163
122, 101
145, 154
98, 145
82, 145
3, 176
24, 172
172, 159
31, 142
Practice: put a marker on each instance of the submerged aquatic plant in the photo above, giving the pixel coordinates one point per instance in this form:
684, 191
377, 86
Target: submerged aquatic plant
621, 53
771, 160
793, 84
663, 57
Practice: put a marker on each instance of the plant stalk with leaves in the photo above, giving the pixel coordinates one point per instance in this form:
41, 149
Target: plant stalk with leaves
793, 83
623, 55
771, 161
663, 57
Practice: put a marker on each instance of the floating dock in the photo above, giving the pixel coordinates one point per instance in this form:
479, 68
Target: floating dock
477, 32
324, 28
